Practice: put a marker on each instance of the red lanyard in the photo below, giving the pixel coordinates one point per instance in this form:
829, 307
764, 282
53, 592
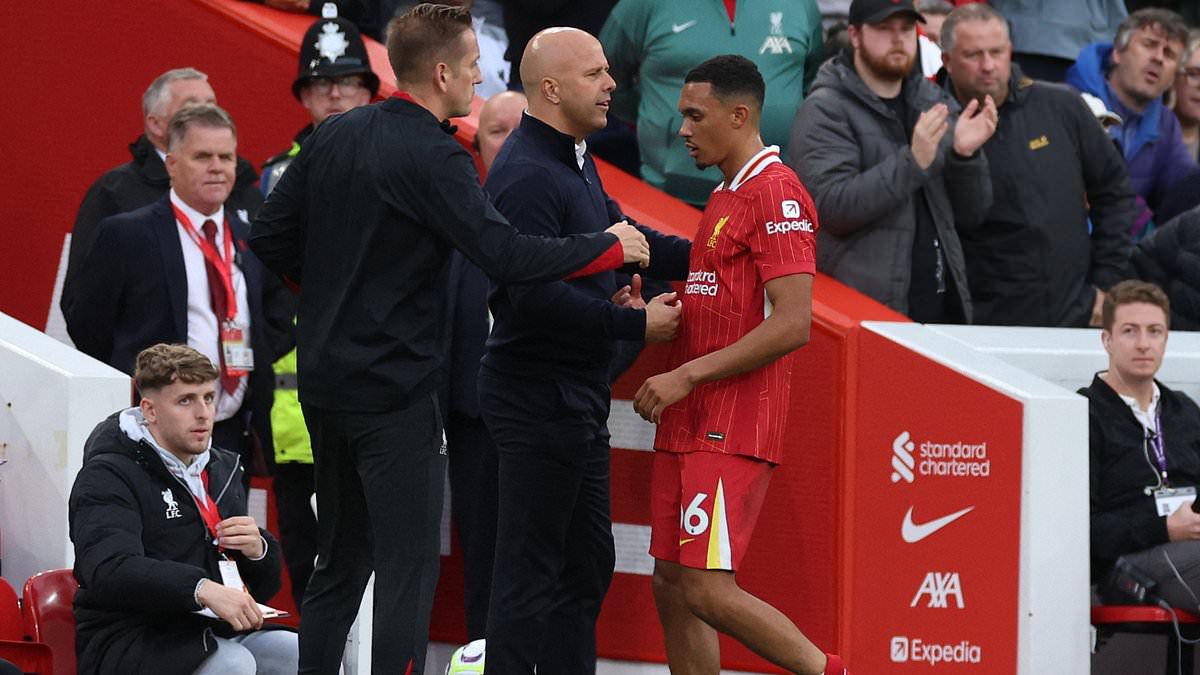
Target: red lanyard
208, 509
223, 265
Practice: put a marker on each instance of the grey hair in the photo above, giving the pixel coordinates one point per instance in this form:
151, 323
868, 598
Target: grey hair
1148, 17
1193, 43
971, 12
203, 115
156, 94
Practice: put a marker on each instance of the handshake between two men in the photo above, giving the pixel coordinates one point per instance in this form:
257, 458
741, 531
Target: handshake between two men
664, 310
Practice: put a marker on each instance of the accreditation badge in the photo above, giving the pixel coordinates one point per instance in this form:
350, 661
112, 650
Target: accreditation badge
239, 358
1168, 500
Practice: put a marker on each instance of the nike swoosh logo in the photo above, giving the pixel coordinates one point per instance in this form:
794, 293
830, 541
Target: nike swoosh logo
684, 541
680, 27
912, 532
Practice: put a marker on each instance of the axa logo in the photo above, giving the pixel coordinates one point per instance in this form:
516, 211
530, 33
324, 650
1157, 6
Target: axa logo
776, 42
902, 458
912, 532
938, 589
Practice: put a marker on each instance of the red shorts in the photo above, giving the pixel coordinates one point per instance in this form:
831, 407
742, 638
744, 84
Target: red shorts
703, 506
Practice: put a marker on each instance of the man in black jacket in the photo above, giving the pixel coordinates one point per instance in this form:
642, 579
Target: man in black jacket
144, 178
543, 384
1170, 257
1034, 260
158, 519
364, 220
1144, 442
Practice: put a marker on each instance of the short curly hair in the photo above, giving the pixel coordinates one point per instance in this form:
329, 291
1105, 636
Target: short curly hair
162, 365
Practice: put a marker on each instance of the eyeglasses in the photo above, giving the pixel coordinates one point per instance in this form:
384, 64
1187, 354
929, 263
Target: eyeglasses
348, 84
1192, 75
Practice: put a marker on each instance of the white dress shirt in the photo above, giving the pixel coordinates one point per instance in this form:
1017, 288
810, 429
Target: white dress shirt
203, 330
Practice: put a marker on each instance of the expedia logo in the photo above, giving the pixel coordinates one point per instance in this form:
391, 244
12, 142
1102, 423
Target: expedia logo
785, 226
929, 458
915, 650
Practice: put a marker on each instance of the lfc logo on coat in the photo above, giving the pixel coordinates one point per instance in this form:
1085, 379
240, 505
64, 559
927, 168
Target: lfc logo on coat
172, 505
776, 42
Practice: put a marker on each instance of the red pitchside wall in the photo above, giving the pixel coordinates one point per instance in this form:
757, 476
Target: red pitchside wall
74, 77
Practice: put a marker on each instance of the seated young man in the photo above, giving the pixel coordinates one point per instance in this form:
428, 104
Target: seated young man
1145, 452
158, 519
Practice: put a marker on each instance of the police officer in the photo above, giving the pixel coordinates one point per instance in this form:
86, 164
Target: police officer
335, 76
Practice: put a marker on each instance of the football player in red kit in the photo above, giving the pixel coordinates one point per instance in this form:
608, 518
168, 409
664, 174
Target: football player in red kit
721, 409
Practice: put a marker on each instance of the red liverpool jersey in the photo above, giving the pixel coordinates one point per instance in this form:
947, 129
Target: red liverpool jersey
760, 227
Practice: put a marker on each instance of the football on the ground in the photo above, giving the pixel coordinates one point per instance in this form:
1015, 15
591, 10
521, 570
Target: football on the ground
467, 659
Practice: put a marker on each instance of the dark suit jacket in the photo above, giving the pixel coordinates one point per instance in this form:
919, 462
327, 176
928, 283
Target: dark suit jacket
467, 309
132, 294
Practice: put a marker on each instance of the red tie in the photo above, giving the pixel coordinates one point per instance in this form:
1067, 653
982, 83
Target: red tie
220, 304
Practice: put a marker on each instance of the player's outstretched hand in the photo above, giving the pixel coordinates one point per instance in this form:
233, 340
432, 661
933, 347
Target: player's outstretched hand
662, 317
660, 391
633, 243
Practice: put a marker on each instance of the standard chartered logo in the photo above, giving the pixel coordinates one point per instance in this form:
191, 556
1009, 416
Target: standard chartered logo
930, 458
902, 458
905, 650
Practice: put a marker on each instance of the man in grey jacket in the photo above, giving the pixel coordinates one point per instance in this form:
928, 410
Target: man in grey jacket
892, 166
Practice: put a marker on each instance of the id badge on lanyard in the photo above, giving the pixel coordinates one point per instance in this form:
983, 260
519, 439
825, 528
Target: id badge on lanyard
239, 358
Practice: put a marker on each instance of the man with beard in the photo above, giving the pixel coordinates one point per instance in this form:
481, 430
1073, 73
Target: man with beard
892, 166
1033, 261
1130, 76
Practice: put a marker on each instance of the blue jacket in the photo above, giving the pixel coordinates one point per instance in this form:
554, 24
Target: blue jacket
564, 327
1151, 141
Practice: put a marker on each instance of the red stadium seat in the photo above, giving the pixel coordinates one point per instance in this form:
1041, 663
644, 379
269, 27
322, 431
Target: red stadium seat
1109, 619
49, 617
11, 627
30, 657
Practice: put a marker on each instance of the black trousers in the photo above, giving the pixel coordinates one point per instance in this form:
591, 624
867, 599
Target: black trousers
380, 480
473, 498
554, 544
294, 486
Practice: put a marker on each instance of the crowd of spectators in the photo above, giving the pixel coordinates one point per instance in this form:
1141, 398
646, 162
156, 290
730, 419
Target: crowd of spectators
1001, 162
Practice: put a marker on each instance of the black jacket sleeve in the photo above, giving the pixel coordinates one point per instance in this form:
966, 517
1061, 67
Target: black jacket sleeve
277, 234
91, 317
536, 211
457, 207
1116, 531
97, 205
110, 562
669, 255
1110, 196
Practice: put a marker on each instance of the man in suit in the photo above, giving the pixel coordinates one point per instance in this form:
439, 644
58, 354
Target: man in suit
176, 271
144, 178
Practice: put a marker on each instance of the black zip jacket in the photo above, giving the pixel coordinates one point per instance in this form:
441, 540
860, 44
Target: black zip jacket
1170, 257
568, 328
1121, 466
364, 220
1032, 262
133, 185
138, 568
